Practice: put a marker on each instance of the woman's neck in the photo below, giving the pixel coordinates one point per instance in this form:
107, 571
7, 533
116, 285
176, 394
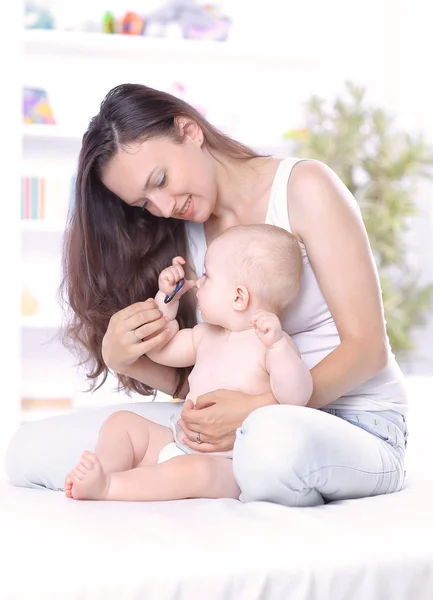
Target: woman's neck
242, 187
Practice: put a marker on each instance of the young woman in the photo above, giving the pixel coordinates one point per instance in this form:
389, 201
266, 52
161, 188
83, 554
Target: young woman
157, 180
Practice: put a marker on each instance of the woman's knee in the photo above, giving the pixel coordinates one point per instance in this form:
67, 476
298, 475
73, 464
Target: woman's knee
273, 447
41, 453
270, 430
23, 456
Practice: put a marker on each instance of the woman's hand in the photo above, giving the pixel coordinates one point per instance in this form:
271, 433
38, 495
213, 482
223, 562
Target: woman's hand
216, 416
132, 332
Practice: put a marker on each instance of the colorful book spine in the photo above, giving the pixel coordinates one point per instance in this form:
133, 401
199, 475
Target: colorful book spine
33, 197
49, 199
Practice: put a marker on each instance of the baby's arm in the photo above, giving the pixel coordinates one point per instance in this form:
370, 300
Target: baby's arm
290, 378
291, 381
180, 350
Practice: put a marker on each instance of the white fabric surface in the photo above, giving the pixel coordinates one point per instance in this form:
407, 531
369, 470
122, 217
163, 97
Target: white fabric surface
369, 549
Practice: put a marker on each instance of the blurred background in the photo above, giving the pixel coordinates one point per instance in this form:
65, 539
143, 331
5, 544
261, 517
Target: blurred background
345, 82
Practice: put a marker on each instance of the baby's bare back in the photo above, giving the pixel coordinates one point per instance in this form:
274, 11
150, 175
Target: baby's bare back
229, 360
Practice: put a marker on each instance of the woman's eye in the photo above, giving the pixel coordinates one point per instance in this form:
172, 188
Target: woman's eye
162, 180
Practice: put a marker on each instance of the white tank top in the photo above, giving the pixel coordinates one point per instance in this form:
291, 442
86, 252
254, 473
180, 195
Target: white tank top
309, 321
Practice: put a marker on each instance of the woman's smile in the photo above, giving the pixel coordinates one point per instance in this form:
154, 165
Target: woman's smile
187, 209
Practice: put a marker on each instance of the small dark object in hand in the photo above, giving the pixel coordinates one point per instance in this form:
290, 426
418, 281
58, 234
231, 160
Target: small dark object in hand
179, 286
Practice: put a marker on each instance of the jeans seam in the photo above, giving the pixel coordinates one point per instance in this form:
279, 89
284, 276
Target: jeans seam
379, 483
350, 469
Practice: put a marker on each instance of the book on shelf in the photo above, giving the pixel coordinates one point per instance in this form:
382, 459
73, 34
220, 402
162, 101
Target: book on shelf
46, 198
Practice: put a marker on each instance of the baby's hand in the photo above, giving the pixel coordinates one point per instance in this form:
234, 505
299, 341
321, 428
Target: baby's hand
172, 275
267, 327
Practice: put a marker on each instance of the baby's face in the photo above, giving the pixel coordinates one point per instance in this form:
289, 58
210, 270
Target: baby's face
216, 287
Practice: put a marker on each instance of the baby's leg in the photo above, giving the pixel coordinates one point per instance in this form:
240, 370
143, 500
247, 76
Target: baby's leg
126, 440
182, 477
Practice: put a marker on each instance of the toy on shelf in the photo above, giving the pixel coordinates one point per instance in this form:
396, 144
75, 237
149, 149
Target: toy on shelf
132, 24
36, 107
218, 32
186, 18
109, 23
37, 17
29, 304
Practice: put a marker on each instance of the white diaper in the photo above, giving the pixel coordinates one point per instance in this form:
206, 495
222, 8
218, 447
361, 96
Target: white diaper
169, 451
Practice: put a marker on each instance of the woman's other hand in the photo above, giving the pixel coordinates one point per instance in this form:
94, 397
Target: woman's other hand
216, 416
132, 332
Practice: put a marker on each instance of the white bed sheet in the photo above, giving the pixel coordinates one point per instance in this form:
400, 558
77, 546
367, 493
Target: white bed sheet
370, 549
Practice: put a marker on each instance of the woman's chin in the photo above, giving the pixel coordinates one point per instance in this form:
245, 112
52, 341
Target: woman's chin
198, 219
201, 216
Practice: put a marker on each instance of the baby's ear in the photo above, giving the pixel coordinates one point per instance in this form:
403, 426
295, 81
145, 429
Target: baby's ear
241, 298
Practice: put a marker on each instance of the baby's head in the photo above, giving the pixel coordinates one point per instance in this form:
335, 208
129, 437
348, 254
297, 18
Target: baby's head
249, 267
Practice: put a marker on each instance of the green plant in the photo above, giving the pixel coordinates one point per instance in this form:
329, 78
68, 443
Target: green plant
382, 167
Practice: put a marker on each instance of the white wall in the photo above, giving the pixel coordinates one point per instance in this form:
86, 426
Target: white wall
10, 151
413, 102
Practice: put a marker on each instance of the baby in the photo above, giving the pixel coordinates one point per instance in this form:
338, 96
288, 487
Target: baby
252, 273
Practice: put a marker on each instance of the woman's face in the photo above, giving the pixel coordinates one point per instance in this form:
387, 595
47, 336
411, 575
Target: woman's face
165, 178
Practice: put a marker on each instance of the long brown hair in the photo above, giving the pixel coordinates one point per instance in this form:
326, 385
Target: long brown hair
113, 253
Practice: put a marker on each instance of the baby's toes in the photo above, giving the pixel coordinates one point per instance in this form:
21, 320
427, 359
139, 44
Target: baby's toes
81, 468
91, 459
76, 475
67, 487
86, 464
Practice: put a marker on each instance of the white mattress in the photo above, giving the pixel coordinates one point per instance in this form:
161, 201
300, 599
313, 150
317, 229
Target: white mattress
370, 549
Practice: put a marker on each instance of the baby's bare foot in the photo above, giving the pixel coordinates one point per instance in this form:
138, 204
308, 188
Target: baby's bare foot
68, 486
89, 482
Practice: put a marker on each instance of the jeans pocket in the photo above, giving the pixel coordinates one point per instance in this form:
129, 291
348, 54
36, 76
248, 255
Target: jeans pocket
376, 425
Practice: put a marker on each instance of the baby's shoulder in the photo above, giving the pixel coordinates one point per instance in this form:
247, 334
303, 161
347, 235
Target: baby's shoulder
204, 331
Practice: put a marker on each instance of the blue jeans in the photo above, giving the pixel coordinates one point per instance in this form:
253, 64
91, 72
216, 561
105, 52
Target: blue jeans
299, 456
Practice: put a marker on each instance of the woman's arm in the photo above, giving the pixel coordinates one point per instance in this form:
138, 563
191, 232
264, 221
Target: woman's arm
158, 377
327, 219
125, 354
